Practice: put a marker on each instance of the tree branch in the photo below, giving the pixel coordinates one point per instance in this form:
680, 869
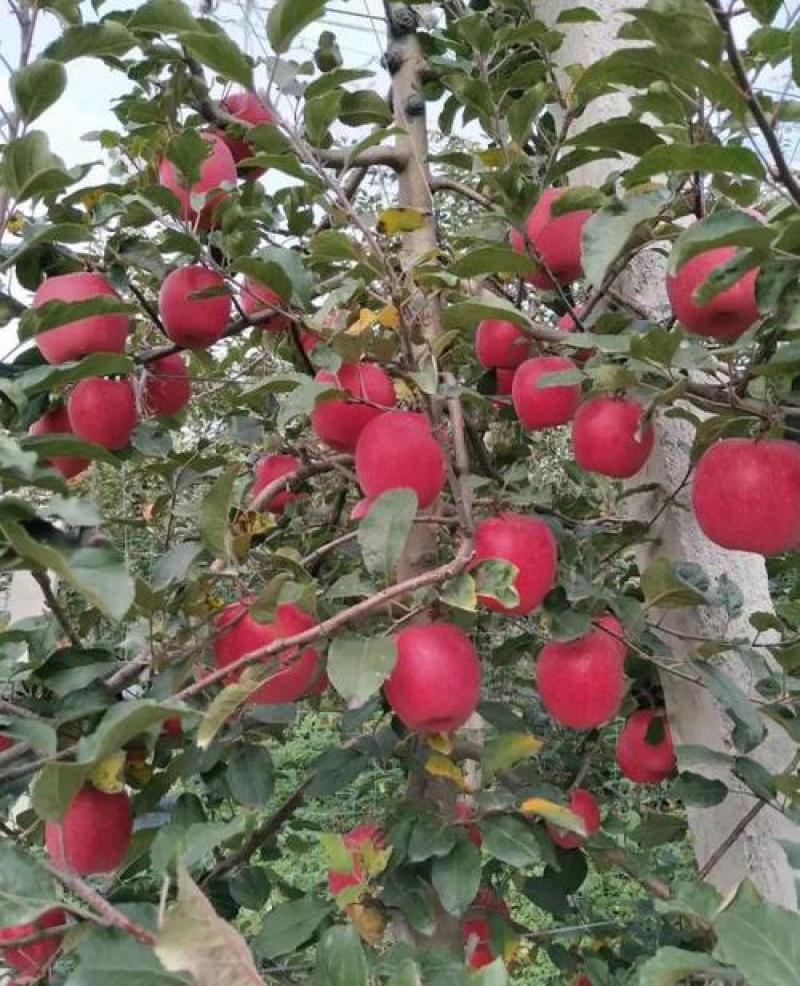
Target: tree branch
55, 607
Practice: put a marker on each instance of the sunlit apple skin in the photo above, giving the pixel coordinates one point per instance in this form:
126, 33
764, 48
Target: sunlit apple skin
436, 682
526, 542
194, 323
501, 345
217, 170
639, 760
96, 334
725, 317
56, 422
544, 407
605, 437
339, 423
746, 494
94, 835
356, 840
270, 468
256, 298
167, 387
32, 959
581, 682
249, 108
398, 450
237, 634
583, 804
103, 411
554, 240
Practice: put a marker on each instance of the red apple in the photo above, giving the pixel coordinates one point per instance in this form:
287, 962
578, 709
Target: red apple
172, 726
582, 980
504, 381
581, 682
217, 171
554, 240
94, 834
318, 687
6, 742
96, 334
190, 321
583, 804
103, 411
249, 108
33, 959
339, 423
257, 298
478, 930
237, 634
309, 341
614, 633
397, 450
268, 469
465, 814
436, 682
544, 407
56, 422
501, 345
357, 840
640, 761
726, 316
746, 494
526, 542
608, 437
166, 386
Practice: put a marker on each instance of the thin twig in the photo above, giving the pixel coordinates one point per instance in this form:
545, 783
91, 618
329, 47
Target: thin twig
55, 607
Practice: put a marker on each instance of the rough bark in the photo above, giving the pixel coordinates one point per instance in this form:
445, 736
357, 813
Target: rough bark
695, 716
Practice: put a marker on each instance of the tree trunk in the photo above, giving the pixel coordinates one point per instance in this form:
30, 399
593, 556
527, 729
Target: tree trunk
694, 715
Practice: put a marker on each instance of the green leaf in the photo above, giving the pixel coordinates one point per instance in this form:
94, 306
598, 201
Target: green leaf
763, 10
25, 888
457, 876
494, 974
761, 939
98, 574
383, 533
214, 520
56, 785
698, 791
713, 158
109, 39
288, 926
51, 445
55, 313
430, 836
577, 15
30, 169
665, 585
214, 48
340, 958
44, 379
162, 16
250, 775
618, 134
658, 828
671, 965
250, 887
497, 578
466, 315
358, 666
106, 956
749, 728
175, 564
511, 840
460, 592
608, 231
492, 260
194, 939
287, 18
229, 701
41, 735
502, 752
37, 86
724, 227
796, 54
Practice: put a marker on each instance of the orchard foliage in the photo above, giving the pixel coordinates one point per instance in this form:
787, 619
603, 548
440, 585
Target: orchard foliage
261, 466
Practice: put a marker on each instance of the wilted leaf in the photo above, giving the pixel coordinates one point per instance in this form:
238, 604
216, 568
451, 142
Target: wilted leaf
557, 814
400, 219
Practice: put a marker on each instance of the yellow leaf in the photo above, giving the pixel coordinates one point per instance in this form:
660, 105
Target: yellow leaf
363, 323
405, 395
557, 814
91, 198
16, 223
441, 743
493, 157
388, 317
400, 220
369, 922
506, 750
374, 860
108, 775
440, 766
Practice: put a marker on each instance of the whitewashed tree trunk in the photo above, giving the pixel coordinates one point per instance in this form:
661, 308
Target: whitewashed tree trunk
25, 598
695, 716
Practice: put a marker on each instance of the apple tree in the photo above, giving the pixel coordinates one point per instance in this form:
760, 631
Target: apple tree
444, 416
